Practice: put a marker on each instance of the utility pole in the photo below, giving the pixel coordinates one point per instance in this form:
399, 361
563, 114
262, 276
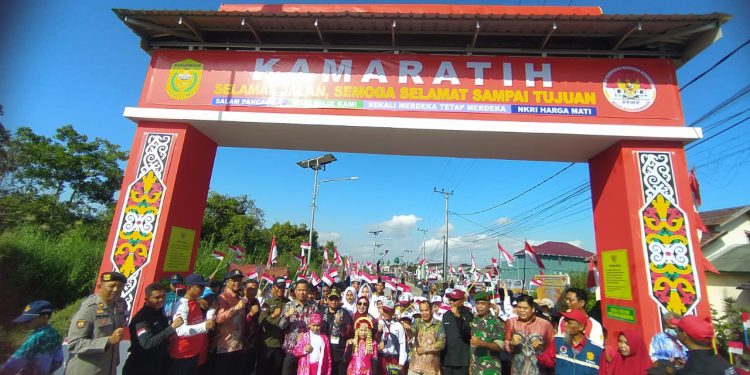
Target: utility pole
424, 255
446, 194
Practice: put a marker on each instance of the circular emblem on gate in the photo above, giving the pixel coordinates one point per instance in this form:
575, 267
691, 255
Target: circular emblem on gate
563, 349
629, 89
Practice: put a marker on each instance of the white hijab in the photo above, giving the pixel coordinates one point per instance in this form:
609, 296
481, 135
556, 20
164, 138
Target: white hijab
351, 307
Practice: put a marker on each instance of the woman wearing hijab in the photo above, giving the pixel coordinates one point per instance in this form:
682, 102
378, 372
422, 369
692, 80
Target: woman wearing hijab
349, 302
631, 357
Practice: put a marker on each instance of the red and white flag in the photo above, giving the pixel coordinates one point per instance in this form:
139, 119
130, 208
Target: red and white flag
238, 250
337, 257
368, 265
403, 288
390, 284
330, 277
267, 278
253, 275
273, 254
495, 268
451, 270
529, 250
535, 282
421, 261
325, 255
366, 277
460, 270
593, 277
473, 263
218, 255
305, 247
314, 279
505, 255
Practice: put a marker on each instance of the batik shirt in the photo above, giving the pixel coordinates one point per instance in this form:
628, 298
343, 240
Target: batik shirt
487, 328
297, 324
431, 337
40, 354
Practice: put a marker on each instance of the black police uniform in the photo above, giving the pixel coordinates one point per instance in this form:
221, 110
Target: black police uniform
149, 347
704, 362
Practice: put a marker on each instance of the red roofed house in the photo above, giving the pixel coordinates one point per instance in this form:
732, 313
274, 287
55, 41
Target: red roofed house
727, 246
558, 257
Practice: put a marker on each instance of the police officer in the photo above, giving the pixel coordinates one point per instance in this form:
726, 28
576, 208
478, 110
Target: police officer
149, 334
97, 329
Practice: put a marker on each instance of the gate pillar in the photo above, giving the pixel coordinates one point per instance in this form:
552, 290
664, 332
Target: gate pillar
157, 220
648, 251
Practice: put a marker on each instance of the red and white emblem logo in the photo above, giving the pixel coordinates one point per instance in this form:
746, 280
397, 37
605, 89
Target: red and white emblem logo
629, 89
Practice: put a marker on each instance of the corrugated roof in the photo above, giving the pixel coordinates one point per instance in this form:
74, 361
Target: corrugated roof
733, 260
559, 249
460, 30
723, 216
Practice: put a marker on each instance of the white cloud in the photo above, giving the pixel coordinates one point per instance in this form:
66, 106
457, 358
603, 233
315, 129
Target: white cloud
399, 226
324, 237
503, 221
578, 243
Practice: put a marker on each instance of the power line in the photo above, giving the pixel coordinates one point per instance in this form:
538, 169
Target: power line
715, 65
522, 193
718, 108
704, 140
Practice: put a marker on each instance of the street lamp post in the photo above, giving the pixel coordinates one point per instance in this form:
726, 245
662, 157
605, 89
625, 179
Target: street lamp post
317, 164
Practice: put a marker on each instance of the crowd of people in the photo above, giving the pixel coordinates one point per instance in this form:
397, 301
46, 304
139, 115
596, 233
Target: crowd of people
240, 326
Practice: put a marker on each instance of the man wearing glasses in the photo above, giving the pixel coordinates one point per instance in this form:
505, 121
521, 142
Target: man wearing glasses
576, 299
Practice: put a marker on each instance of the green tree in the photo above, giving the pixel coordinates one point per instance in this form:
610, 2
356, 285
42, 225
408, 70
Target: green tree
4, 144
58, 181
232, 220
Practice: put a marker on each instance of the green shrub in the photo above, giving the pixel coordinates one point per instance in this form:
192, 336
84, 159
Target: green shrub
35, 265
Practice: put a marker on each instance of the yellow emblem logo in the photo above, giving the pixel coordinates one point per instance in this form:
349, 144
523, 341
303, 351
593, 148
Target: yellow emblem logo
107, 277
184, 79
80, 324
27, 308
590, 356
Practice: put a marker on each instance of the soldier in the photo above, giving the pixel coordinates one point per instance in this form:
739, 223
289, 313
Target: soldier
487, 338
271, 335
97, 329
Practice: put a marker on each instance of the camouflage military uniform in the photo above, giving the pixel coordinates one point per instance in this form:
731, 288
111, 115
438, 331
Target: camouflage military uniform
88, 337
484, 361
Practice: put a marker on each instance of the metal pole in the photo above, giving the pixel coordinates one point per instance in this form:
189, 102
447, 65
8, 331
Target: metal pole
445, 254
312, 213
523, 285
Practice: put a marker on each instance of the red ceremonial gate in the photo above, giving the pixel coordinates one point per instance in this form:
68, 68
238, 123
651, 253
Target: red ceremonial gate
207, 87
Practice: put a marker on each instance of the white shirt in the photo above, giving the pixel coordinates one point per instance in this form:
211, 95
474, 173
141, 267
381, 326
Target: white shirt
390, 347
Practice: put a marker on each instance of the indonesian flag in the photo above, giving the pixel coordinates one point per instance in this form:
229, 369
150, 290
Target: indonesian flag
253, 275
288, 283
460, 270
593, 279
305, 246
403, 288
143, 330
330, 277
495, 269
505, 255
473, 264
325, 254
535, 282
218, 255
301, 277
314, 279
421, 262
451, 271
368, 265
273, 254
390, 284
532, 254
337, 257
364, 276
267, 278
238, 250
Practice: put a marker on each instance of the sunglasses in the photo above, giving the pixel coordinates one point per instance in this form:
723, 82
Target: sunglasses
361, 303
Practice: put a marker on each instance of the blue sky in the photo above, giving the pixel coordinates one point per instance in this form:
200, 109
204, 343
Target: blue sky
74, 62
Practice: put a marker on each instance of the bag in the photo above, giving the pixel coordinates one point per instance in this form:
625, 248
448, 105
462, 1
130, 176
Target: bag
394, 369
